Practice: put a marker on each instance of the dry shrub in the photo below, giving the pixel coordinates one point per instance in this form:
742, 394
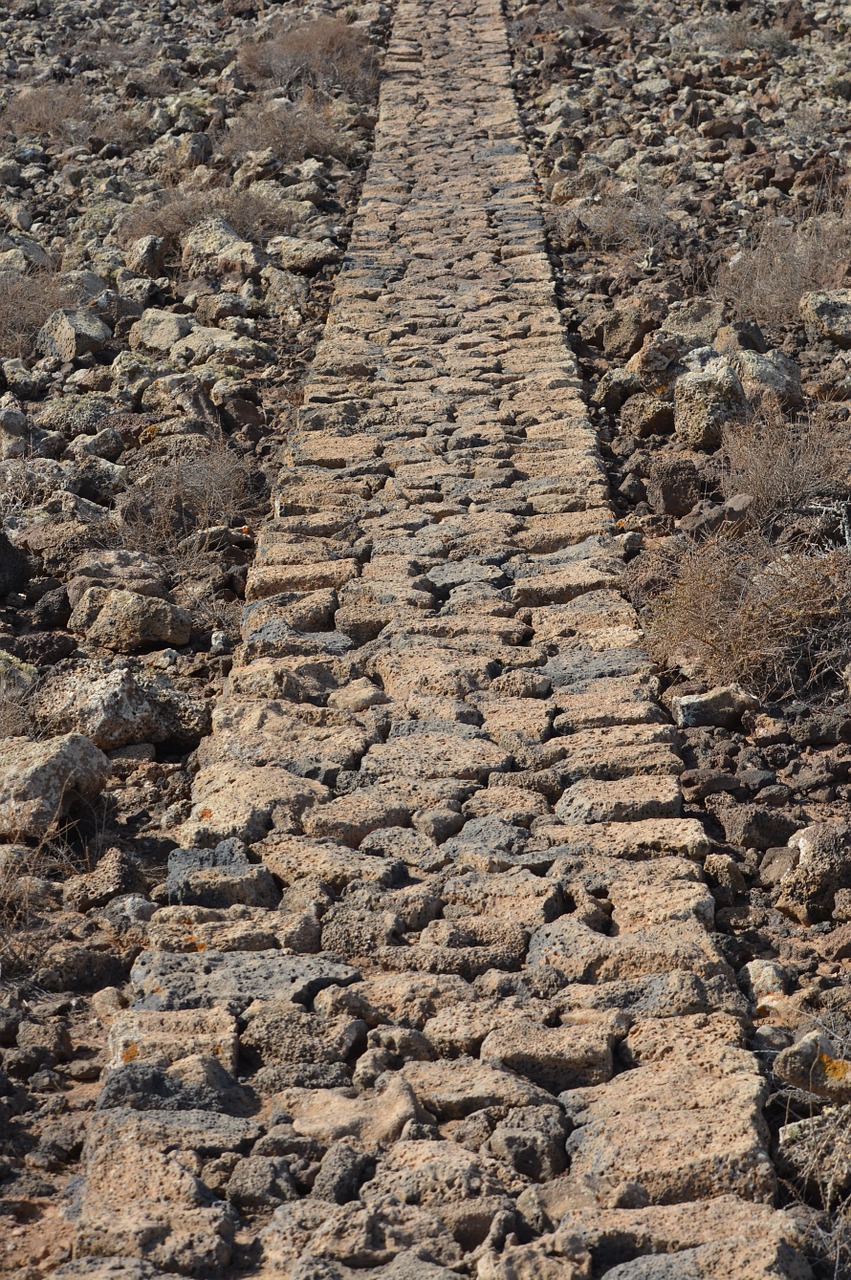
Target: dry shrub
777, 622
23, 486
61, 113
786, 259
814, 1158
191, 489
327, 55
293, 131
734, 33
550, 19
178, 514
25, 303
65, 113
785, 465
30, 880
21, 874
173, 213
633, 220
823, 1148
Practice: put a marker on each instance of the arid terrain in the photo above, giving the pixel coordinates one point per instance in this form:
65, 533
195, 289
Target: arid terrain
425, 641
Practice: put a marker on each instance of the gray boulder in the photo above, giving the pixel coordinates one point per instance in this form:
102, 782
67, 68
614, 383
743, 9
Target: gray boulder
70, 333
40, 781
827, 316
129, 623
724, 705
232, 979
219, 877
821, 868
769, 376
119, 707
705, 401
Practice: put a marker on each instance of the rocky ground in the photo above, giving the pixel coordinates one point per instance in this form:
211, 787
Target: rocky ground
177, 184
373, 903
177, 188
694, 161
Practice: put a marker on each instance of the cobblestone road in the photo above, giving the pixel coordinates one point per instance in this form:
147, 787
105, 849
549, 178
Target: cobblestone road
438, 907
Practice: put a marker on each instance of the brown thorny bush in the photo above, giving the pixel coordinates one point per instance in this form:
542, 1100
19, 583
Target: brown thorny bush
311, 63
542, 24
293, 130
15, 719
65, 113
167, 513
327, 55
819, 1173
776, 620
58, 113
25, 303
787, 257
31, 877
735, 32
174, 212
186, 491
784, 465
825, 1145
773, 612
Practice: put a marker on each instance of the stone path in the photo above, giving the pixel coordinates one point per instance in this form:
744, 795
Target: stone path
484, 1027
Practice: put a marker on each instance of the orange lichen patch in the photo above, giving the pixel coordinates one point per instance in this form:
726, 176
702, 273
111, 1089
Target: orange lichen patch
130, 1052
837, 1069
205, 814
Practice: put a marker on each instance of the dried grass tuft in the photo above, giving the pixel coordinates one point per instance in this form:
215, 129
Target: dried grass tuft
174, 212
327, 55
294, 131
777, 622
57, 112
783, 465
25, 303
30, 880
65, 113
814, 1159
734, 33
632, 220
189, 490
785, 259
15, 718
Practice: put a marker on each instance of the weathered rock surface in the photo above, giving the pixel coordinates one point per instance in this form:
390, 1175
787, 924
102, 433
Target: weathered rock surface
430, 985
127, 622
41, 781
120, 706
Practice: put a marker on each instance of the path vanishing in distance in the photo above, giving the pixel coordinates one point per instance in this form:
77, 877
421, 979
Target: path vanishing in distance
485, 1027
